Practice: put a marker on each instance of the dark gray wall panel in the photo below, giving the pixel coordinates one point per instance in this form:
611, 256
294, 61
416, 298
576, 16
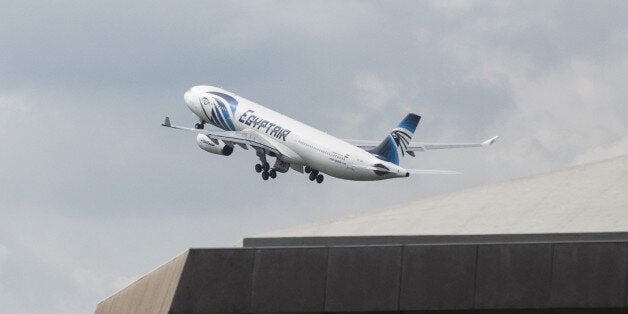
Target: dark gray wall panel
215, 281
363, 278
513, 276
589, 275
438, 239
438, 277
289, 280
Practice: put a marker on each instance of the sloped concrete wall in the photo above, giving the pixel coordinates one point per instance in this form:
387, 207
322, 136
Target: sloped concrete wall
151, 294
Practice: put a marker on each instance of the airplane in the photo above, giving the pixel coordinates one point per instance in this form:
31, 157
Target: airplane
298, 146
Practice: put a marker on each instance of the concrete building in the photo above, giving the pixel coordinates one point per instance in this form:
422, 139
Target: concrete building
551, 243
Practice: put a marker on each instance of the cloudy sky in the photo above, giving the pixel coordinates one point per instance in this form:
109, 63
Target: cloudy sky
94, 193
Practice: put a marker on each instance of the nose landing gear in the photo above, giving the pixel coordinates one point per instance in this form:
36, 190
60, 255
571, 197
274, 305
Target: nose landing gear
199, 126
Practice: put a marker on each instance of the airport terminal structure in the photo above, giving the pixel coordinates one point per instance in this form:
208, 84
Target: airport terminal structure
550, 243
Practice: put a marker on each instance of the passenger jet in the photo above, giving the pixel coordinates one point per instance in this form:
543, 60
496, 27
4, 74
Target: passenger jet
300, 147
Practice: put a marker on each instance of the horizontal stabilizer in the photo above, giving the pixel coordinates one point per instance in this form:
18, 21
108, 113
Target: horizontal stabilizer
411, 171
428, 171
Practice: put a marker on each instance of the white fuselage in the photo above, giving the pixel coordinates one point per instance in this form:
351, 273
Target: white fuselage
302, 144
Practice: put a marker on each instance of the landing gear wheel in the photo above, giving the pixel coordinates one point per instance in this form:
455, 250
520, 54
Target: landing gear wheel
312, 176
265, 175
266, 166
319, 178
307, 169
258, 168
272, 173
199, 126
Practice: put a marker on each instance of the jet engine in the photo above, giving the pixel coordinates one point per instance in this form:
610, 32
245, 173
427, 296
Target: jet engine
213, 146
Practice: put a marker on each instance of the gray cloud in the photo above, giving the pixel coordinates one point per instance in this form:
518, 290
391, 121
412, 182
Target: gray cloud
95, 193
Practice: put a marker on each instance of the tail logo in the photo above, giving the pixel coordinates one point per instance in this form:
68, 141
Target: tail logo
222, 108
402, 139
398, 140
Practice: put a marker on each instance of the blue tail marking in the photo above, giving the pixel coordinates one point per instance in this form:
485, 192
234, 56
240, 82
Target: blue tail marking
397, 141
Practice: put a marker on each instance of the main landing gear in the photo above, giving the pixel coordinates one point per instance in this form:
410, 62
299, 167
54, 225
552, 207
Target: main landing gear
281, 166
199, 126
314, 174
265, 170
264, 167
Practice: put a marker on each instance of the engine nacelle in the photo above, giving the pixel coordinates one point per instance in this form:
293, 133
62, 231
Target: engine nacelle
219, 147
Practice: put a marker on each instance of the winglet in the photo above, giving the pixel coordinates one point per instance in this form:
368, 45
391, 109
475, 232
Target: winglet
166, 122
490, 141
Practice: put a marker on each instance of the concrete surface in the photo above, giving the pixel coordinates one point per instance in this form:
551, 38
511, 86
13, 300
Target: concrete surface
363, 279
438, 277
543, 277
581, 199
516, 276
215, 281
289, 280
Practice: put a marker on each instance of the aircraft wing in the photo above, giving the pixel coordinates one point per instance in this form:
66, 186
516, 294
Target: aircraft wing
240, 138
421, 146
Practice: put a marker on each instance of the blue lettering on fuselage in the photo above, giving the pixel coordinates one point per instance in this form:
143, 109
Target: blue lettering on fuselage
260, 123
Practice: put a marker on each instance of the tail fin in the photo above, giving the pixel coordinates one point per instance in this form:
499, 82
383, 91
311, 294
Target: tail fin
396, 142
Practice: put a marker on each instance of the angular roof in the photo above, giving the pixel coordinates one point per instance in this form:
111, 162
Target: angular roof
586, 198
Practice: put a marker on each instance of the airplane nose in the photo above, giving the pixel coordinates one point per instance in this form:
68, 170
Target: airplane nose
187, 97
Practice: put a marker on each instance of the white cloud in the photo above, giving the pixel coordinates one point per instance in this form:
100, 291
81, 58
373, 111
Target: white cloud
567, 113
255, 23
559, 111
104, 194
87, 279
379, 106
4, 255
14, 109
454, 7
374, 92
